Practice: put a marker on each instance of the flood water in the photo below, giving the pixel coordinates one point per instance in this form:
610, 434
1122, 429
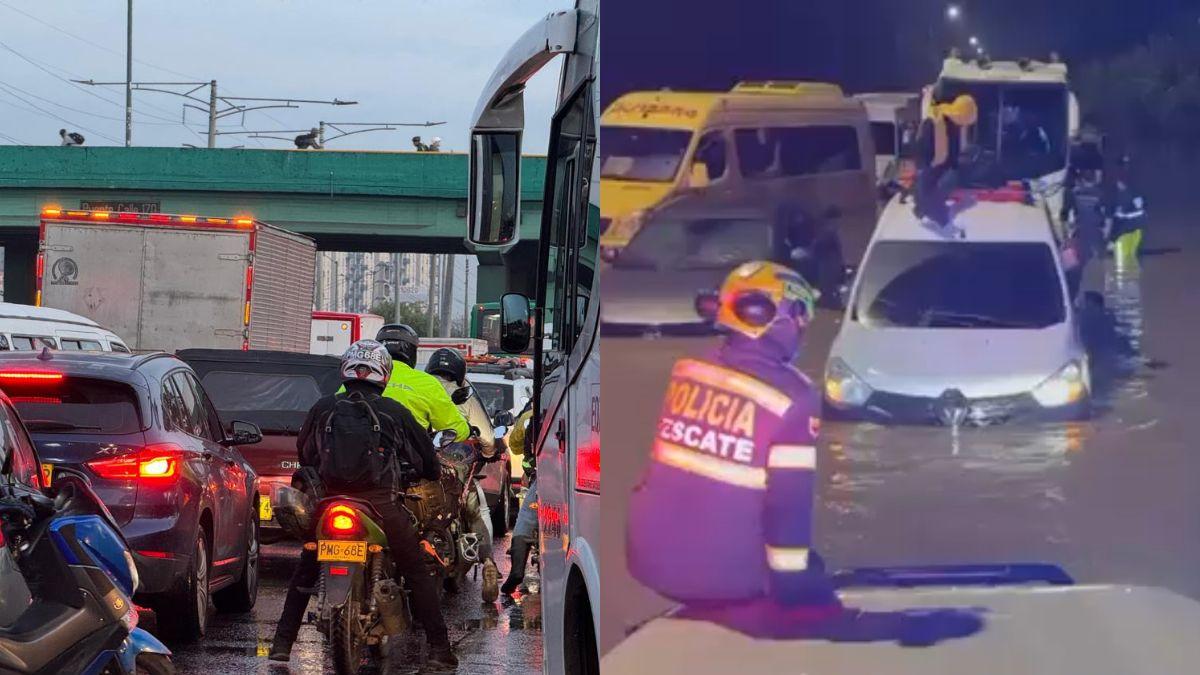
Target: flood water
1114, 499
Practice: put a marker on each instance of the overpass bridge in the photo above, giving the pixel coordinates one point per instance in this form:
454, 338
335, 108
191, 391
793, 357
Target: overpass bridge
346, 201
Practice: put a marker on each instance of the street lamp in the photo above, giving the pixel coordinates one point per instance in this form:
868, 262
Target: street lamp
974, 41
953, 12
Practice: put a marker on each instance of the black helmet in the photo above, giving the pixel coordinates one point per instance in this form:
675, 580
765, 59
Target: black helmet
401, 342
447, 363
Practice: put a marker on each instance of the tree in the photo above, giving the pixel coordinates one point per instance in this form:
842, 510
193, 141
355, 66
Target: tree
414, 314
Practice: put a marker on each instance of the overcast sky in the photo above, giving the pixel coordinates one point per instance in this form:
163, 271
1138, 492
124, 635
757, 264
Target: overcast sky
403, 60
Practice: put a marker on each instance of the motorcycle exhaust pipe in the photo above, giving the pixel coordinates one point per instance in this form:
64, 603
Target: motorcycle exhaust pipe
389, 602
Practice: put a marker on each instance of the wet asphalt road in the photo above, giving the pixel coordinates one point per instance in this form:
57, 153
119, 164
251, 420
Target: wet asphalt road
502, 638
1114, 499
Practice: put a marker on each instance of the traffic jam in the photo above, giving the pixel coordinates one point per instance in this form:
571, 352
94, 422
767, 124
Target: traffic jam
895, 367
208, 468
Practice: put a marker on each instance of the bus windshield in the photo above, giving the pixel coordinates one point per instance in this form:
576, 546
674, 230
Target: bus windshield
1021, 133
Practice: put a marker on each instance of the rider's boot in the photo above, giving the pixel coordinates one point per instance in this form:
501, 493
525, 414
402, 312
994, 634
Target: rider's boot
442, 657
519, 550
491, 581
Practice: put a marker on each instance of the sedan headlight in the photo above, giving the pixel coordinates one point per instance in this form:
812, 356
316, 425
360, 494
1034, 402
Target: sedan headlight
1068, 385
843, 386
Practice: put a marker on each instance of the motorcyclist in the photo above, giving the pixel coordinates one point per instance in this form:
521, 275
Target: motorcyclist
366, 366
419, 391
722, 520
448, 366
524, 534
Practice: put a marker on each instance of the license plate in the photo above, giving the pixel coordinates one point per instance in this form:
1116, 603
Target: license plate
264, 509
342, 551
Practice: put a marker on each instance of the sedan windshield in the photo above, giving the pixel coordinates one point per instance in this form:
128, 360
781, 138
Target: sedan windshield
918, 284
710, 243
634, 153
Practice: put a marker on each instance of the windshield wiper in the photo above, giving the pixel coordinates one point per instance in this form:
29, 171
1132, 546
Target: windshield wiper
55, 425
972, 320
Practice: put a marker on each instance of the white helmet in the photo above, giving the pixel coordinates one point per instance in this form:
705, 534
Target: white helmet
367, 360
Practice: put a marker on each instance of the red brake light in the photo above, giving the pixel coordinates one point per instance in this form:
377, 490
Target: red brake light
342, 520
339, 571
155, 462
30, 376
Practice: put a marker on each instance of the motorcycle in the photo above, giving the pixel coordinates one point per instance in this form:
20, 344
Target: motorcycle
439, 510
67, 581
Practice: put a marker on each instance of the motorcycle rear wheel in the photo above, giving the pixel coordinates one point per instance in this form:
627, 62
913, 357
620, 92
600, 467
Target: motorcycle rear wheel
155, 664
346, 636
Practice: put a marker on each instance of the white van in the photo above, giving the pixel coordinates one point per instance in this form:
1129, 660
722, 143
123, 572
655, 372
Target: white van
894, 118
29, 328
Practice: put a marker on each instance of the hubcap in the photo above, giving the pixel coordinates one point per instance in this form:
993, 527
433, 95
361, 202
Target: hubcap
252, 561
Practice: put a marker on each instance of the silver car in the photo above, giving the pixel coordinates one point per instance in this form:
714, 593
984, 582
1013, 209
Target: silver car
974, 328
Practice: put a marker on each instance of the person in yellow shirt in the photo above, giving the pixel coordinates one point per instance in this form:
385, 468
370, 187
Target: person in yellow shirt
418, 391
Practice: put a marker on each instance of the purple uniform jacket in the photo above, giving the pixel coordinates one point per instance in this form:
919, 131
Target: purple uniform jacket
724, 509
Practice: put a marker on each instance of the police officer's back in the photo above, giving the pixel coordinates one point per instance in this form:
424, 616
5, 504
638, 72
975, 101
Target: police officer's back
723, 514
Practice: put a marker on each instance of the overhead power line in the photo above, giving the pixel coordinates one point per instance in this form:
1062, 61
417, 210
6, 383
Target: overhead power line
60, 117
9, 86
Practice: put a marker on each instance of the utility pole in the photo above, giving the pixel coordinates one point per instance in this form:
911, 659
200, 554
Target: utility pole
129, 76
319, 291
446, 311
212, 113
396, 288
432, 284
466, 300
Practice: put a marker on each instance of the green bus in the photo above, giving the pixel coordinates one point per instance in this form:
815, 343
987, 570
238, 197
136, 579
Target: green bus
485, 325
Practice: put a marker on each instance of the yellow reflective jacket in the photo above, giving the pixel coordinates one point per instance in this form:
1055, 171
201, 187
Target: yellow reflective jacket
425, 398
516, 440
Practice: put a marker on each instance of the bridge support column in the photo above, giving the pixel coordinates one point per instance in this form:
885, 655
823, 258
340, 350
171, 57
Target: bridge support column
513, 272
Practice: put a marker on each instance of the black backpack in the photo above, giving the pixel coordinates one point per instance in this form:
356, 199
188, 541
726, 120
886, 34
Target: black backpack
356, 445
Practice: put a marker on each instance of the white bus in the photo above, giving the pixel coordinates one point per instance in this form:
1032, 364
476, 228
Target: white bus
567, 356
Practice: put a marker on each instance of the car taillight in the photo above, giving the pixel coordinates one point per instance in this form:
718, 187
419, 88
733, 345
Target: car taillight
152, 463
342, 521
30, 376
587, 468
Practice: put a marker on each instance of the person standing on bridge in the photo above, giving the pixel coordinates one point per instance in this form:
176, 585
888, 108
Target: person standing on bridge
722, 520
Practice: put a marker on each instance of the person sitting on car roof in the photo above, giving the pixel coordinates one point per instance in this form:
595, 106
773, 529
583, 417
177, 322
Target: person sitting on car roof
722, 520
940, 142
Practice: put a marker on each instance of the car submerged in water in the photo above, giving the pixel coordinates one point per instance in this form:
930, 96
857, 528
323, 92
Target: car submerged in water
970, 329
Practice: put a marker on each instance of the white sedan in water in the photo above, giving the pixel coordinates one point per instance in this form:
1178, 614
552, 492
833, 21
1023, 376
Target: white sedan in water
966, 327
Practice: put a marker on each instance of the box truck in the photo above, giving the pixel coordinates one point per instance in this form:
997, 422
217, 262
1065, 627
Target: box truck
168, 282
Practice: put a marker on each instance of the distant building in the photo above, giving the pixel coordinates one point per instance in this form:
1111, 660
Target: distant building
353, 282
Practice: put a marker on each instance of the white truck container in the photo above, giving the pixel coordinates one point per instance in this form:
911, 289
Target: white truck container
171, 282
334, 332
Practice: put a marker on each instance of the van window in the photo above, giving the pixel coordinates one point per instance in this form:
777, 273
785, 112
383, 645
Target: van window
634, 153
75, 345
28, 343
710, 151
796, 151
884, 135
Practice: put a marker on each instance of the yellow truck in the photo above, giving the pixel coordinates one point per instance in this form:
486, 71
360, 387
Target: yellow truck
760, 142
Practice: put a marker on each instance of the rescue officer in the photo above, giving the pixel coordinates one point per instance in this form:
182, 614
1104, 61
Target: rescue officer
1083, 214
940, 142
1128, 209
525, 531
722, 520
419, 391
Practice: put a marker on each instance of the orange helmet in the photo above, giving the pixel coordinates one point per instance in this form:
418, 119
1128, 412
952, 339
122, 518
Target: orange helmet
755, 294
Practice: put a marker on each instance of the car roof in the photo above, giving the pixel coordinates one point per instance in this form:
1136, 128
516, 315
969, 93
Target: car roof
983, 222
257, 356
10, 310
113, 365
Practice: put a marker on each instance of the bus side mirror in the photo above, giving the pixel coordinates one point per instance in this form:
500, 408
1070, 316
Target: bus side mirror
494, 197
515, 325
